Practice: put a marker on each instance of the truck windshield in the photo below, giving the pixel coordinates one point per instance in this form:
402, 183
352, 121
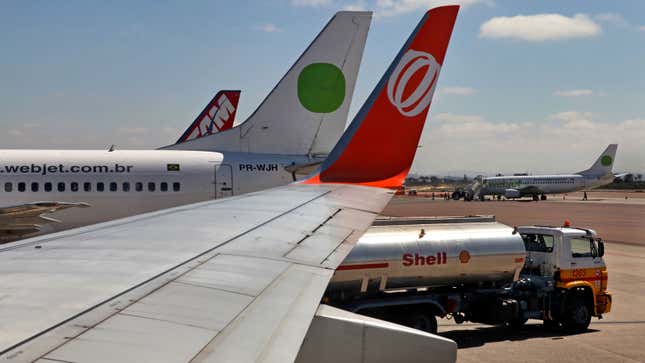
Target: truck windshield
583, 247
538, 242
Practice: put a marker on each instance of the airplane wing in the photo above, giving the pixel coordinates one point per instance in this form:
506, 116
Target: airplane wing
231, 280
174, 286
24, 219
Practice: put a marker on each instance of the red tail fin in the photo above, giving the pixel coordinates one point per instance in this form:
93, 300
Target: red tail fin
379, 145
218, 115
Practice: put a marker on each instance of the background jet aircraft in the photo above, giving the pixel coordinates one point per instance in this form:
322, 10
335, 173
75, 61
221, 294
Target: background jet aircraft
238, 279
290, 132
600, 173
217, 116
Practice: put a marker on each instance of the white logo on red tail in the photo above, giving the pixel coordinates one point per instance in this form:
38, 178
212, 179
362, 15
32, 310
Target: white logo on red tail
214, 119
217, 116
413, 61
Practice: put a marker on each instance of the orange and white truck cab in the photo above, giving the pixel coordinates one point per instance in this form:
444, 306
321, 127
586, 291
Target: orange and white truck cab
574, 258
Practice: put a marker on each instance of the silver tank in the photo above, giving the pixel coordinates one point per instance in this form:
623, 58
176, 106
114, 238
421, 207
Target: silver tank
402, 253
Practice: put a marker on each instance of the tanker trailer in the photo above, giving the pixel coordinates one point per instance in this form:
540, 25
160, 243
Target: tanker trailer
411, 270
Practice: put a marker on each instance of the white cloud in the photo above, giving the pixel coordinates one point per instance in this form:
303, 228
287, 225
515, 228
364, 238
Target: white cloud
540, 27
314, 3
573, 93
268, 28
360, 5
613, 18
571, 116
563, 142
398, 7
460, 91
387, 7
451, 117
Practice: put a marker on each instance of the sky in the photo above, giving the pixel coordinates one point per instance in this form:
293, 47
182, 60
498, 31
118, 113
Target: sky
527, 86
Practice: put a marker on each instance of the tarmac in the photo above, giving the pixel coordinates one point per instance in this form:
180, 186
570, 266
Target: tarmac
618, 337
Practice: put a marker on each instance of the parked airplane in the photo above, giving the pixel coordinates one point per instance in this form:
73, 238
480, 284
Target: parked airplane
600, 173
289, 134
238, 279
217, 116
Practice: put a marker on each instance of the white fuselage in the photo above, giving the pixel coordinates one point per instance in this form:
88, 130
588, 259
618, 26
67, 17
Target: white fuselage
127, 182
540, 184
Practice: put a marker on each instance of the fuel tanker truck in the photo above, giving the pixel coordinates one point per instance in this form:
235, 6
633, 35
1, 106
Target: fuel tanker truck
412, 270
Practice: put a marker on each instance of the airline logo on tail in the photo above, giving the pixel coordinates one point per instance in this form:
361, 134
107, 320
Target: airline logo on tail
411, 63
606, 160
218, 115
373, 153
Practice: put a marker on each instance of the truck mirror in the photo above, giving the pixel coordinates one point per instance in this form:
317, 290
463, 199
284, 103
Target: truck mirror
601, 248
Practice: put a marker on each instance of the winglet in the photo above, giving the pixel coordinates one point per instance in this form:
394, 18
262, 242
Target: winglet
378, 147
218, 115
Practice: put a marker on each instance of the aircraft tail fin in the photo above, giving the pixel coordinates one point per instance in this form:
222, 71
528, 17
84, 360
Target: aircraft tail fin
604, 163
306, 112
378, 147
217, 116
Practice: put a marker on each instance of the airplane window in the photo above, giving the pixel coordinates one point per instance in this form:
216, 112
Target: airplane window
163, 187
176, 186
151, 187
8, 186
21, 187
138, 186
34, 187
100, 187
61, 187
113, 186
48, 187
126, 187
87, 186
73, 186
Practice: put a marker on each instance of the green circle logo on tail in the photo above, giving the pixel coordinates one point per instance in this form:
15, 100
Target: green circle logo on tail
321, 87
606, 160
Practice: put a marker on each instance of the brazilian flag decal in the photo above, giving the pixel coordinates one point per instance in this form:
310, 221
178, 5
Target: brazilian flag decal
173, 167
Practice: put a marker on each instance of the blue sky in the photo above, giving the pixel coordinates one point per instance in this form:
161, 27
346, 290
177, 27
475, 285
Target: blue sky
541, 92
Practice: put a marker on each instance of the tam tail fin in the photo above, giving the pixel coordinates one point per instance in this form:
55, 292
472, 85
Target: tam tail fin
217, 116
306, 112
378, 147
604, 164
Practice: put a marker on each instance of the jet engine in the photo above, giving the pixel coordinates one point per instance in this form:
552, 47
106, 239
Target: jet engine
512, 193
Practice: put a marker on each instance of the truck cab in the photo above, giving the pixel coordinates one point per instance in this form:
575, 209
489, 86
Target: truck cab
573, 259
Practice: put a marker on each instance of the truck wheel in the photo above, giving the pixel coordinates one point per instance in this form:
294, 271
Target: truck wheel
423, 321
578, 316
516, 323
551, 324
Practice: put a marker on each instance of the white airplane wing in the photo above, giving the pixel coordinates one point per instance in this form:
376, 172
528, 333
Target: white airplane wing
175, 286
24, 219
232, 280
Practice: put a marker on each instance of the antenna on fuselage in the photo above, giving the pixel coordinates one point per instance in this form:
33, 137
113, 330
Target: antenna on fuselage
112, 147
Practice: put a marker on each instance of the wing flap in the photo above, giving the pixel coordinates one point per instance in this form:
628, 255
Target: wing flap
273, 327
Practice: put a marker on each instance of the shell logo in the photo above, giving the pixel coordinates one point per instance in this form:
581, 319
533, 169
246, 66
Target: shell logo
464, 256
414, 103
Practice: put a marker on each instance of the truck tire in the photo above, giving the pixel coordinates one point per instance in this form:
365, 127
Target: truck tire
426, 322
551, 324
578, 315
516, 323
